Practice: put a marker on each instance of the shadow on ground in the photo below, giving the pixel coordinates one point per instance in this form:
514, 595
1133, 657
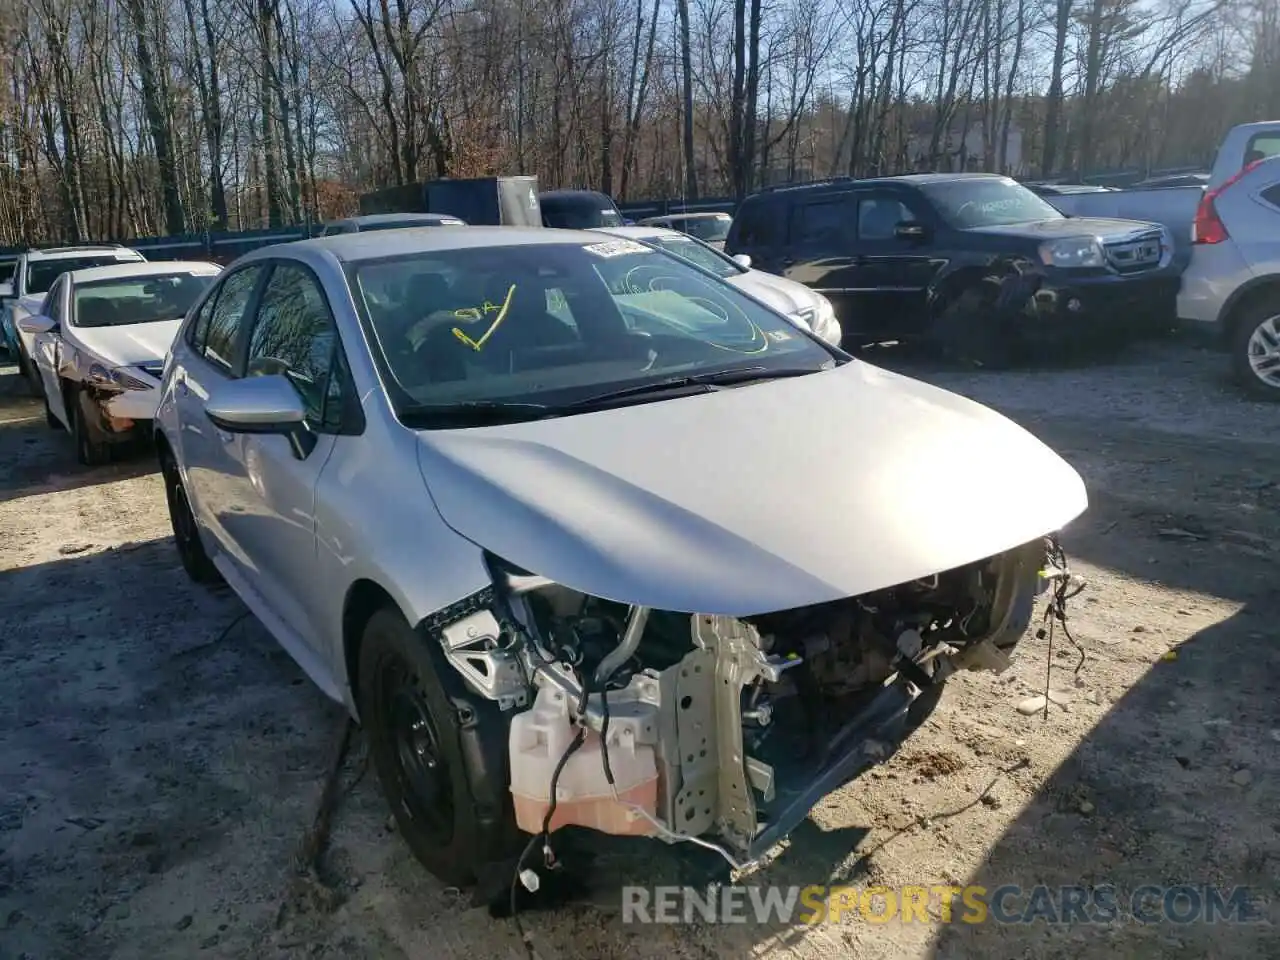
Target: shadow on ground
161, 755
1176, 784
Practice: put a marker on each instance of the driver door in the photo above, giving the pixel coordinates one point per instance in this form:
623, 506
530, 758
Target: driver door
893, 273
270, 492
47, 350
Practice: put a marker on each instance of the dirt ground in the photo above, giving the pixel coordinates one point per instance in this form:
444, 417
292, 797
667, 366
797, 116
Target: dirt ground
161, 758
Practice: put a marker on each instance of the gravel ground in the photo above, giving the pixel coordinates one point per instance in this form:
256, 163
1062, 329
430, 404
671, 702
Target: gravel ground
162, 759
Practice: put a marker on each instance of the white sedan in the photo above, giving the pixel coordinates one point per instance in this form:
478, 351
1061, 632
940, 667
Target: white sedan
546, 511
805, 307
100, 346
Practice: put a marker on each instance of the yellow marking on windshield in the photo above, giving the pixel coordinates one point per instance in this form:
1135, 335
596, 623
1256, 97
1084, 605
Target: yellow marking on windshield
476, 313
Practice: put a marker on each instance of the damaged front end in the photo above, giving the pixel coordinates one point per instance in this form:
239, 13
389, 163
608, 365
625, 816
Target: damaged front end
721, 730
116, 404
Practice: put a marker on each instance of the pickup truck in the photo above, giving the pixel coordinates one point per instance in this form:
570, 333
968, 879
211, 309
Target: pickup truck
1175, 207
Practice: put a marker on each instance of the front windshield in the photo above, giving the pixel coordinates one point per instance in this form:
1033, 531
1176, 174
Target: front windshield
42, 273
145, 299
711, 229
699, 254
552, 324
580, 213
987, 202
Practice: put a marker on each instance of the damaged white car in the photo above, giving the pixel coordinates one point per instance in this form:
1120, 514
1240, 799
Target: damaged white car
100, 343
553, 517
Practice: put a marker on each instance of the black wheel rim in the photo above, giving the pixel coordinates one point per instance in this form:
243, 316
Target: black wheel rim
414, 746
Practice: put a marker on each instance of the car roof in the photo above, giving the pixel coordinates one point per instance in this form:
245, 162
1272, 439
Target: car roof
701, 215
148, 268
572, 194
70, 253
642, 232
924, 178
851, 183
375, 244
372, 219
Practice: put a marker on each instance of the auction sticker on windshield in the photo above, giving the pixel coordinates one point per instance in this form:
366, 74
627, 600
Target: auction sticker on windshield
616, 248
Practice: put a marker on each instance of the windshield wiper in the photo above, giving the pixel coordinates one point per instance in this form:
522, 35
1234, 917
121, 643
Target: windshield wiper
474, 412
709, 381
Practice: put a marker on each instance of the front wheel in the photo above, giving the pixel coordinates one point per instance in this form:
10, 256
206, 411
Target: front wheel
1255, 351
50, 420
91, 450
968, 329
455, 817
27, 367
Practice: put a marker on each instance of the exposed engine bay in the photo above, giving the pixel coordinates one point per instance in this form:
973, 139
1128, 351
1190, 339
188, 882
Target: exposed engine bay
721, 730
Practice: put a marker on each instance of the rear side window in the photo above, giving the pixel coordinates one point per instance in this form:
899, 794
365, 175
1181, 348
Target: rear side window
1272, 195
225, 320
1262, 146
819, 222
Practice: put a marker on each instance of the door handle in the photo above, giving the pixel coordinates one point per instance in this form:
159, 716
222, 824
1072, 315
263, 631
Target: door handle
181, 383
225, 437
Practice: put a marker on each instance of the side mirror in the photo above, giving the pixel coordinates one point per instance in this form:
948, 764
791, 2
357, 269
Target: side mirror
36, 324
911, 230
742, 260
266, 404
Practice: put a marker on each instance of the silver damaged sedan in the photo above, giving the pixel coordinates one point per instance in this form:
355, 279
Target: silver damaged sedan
582, 535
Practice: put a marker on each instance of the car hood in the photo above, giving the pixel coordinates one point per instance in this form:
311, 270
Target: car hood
740, 501
1102, 227
785, 296
130, 343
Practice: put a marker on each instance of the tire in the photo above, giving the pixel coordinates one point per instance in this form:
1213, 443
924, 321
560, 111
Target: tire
967, 330
454, 819
30, 372
50, 420
90, 450
186, 532
1255, 334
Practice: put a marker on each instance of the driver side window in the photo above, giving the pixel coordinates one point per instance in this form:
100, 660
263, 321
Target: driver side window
879, 216
294, 334
53, 302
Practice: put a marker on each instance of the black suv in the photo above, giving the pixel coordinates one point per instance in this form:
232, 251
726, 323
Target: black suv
974, 263
578, 209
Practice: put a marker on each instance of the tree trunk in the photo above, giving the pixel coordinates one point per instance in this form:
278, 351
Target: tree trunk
157, 121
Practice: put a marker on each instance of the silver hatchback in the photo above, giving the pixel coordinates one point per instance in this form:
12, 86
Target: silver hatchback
572, 528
